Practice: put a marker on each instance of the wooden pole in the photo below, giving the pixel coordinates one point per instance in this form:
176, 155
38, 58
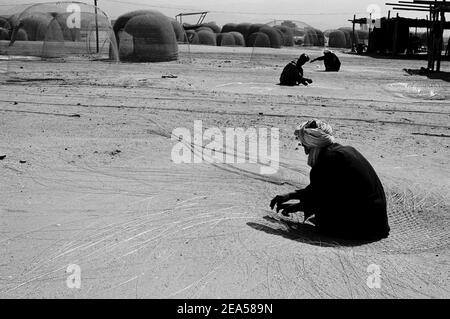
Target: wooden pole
433, 37
395, 38
436, 43
388, 23
428, 33
370, 42
440, 38
433, 41
430, 42
96, 27
354, 37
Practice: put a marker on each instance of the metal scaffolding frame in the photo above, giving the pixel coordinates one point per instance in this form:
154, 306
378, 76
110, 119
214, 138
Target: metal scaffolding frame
200, 19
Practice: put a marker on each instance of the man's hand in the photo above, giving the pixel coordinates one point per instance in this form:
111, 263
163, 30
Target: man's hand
307, 215
280, 199
305, 82
287, 209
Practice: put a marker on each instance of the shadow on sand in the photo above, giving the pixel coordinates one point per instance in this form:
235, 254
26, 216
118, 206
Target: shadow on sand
445, 76
304, 233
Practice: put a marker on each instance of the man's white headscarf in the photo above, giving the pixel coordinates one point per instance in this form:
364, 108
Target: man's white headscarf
314, 134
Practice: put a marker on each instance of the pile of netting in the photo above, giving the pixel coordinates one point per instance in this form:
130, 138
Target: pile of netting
275, 34
299, 33
148, 36
345, 37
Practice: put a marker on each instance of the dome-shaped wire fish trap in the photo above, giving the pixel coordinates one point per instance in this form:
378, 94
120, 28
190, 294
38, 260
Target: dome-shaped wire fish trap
337, 39
146, 36
58, 30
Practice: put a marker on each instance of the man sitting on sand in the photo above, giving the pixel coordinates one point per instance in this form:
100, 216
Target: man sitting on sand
331, 61
345, 194
293, 72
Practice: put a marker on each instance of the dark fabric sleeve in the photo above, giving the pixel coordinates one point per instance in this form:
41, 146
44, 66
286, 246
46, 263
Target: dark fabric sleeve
301, 193
305, 196
321, 58
324, 181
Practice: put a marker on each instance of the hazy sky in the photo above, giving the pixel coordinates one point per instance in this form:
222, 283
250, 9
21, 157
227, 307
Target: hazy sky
322, 14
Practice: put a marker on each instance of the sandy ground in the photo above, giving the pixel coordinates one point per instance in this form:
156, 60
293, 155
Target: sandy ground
141, 226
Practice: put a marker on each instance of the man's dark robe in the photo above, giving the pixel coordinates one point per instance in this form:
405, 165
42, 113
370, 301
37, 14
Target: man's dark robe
346, 195
331, 62
292, 74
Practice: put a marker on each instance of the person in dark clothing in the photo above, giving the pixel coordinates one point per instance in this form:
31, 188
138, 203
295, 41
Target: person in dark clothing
330, 60
345, 194
293, 72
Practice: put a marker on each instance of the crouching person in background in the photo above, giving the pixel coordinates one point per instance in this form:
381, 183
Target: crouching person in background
345, 194
293, 72
330, 60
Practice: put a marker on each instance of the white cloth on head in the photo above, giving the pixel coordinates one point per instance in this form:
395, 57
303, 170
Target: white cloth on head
314, 138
